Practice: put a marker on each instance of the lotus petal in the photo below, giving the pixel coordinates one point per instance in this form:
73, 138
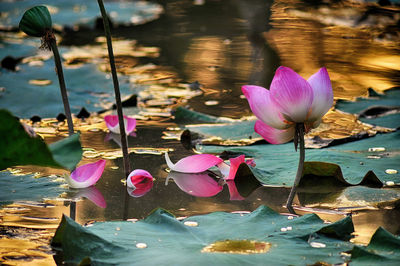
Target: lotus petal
273, 135
86, 175
323, 94
292, 94
234, 165
193, 164
196, 184
92, 194
263, 107
113, 126
233, 192
139, 182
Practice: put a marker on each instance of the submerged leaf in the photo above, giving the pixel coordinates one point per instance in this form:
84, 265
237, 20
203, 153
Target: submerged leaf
162, 233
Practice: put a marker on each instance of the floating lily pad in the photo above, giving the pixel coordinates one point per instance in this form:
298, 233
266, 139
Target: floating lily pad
383, 249
207, 240
378, 109
18, 148
74, 12
27, 188
277, 164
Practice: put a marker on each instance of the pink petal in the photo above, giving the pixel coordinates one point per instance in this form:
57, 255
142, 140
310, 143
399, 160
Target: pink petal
323, 94
193, 164
233, 192
272, 135
113, 126
199, 185
234, 165
292, 94
92, 194
263, 107
86, 175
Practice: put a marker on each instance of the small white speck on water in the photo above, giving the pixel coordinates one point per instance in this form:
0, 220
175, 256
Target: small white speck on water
289, 228
117, 228
211, 103
141, 245
391, 171
317, 245
283, 229
373, 157
389, 183
191, 223
133, 220
377, 149
290, 217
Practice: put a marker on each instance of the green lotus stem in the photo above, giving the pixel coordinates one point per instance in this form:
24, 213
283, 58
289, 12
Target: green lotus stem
53, 46
298, 139
124, 141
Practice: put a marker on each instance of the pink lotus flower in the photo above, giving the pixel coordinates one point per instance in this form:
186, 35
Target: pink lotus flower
86, 175
290, 100
139, 182
113, 126
196, 184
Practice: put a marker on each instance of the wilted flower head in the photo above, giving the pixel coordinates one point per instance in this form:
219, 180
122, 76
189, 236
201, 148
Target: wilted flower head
290, 100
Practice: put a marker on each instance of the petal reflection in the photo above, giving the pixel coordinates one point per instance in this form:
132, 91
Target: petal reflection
92, 194
199, 184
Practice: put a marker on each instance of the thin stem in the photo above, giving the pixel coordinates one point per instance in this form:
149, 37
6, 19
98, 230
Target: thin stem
124, 141
60, 74
300, 137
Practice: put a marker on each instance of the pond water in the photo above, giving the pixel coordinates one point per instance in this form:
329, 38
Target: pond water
222, 45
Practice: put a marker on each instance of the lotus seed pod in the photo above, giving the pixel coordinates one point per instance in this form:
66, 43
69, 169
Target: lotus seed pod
36, 21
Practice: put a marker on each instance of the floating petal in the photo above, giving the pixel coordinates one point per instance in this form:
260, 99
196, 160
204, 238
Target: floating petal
139, 182
292, 94
323, 94
193, 164
263, 107
272, 135
199, 184
234, 165
113, 126
86, 175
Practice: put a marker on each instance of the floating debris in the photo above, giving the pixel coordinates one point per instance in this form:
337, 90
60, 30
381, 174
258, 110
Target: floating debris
40, 82
317, 245
210, 103
290, 217
191, 223
390, 183
390, 172
141, 245
238, 247
376, 149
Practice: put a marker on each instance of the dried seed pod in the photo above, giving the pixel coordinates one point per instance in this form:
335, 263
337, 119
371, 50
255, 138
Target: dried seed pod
36, 21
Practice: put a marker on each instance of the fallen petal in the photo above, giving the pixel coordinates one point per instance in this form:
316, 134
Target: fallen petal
113, 126
139, 182
199, 185
193, 164
86, 175
323, 94
263, 107
272, 135
292, 94
234, 165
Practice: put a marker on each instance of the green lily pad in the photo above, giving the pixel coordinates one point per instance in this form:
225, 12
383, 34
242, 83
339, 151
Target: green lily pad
18, 148
379, 109
383, 249
217, 238
277, 164
27, 188
76, 12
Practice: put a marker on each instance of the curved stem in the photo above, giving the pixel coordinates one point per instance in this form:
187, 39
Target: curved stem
299, 135
124, 141
60, 74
